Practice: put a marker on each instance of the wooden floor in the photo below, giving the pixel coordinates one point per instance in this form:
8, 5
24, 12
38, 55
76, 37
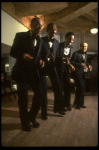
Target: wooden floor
76, 128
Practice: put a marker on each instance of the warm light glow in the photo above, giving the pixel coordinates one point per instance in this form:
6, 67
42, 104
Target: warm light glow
94, 30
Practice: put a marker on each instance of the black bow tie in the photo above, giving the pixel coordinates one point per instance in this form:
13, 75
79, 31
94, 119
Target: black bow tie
67, 47
51, 40
83, 53
35, 37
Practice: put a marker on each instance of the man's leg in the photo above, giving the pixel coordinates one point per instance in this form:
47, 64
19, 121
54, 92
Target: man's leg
67, 89
23, 103
44, 100
37, 100
57, 90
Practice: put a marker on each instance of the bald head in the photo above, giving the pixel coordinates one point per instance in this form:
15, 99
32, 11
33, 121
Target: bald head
83, 46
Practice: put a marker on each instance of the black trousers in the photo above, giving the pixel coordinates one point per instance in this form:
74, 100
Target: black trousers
44, 99
22, 89
80, 82
65, 87
51, 72
56, 88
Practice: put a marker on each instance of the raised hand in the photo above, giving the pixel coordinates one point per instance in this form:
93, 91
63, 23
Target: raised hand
27, 57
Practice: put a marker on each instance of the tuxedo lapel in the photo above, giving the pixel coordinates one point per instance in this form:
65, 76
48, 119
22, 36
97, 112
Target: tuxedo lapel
47, 45
39, 49
62, 49
54, 49
30, 43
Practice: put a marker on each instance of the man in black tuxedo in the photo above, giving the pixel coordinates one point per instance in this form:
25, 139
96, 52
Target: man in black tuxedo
26, 49
79, 61
49, 55
65, 50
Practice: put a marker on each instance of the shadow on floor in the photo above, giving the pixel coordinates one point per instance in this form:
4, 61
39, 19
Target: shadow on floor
10, 126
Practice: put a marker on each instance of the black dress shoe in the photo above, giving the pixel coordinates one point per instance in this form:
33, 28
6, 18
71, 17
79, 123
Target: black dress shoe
82, 106
35, 124
64, 110
26, 128
77, 107
44, 117
60, 112
74, 105
69, 108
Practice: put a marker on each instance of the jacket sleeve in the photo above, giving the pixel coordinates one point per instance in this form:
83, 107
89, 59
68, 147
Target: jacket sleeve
73, 60
17, 47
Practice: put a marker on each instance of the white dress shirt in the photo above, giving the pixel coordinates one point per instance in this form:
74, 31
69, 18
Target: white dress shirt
34, 41
66, 51
83, 55
50, 44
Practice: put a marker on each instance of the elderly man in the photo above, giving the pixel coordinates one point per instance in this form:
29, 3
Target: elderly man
79, 61
26, 49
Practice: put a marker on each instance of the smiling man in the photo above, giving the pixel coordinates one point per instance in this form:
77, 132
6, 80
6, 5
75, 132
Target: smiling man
65, 50
26, 49
79, 60
49, 55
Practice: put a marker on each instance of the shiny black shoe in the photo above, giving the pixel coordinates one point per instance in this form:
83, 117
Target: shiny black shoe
35, 124
69, 108
60, 112
44, 117
74, 105
77, 107
26, 128
82, 106
64, 110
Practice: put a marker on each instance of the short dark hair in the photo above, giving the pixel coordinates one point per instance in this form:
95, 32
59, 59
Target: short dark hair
33, 20
68, 34
49, 26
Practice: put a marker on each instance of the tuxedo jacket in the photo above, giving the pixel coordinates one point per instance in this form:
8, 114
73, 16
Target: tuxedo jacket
76, 61
24, 71
46, 50
61, 67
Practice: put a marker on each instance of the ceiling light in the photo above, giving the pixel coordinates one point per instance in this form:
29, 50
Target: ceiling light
94, 30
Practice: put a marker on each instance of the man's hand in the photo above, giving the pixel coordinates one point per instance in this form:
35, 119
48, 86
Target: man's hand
71, 68
27, 57
90, 67
83, 65
50, 55
66, 60
42, 63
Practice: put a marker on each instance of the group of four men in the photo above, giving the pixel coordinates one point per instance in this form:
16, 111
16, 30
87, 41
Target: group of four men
37, 58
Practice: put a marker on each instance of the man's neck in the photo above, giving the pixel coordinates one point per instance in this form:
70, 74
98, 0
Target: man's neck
49, 37
65, 45
82, 51
32, 33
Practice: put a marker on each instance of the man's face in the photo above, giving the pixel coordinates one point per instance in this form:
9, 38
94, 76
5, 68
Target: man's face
84, 47
69, 40
37, 26
52, 31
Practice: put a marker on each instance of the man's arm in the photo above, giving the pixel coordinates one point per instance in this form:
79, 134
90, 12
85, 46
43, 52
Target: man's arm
73, 60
